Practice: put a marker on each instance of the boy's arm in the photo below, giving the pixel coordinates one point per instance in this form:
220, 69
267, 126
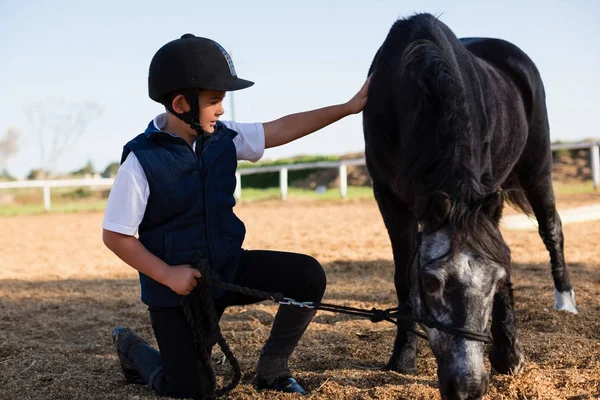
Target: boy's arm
295, 126
181, 278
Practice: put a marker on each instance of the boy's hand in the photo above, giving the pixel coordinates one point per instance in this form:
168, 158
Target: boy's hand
182, 279
357, 103
294, 126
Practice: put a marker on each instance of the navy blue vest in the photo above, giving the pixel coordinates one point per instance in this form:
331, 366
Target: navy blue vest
190, 207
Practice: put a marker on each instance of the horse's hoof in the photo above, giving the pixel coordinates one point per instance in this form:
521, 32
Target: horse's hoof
402, 366
507, 362
401, 370
565, 301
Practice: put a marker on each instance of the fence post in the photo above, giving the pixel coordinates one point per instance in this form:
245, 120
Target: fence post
46, 197
343, 180
238, 186
595, 154
283, 183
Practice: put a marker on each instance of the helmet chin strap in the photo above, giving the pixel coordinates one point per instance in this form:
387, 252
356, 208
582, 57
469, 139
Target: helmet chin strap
191, 117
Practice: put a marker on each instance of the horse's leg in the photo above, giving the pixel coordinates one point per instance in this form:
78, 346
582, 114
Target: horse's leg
541, 197
402, 229
506, 355
536, 180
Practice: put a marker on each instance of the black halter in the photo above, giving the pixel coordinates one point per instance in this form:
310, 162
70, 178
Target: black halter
427, 319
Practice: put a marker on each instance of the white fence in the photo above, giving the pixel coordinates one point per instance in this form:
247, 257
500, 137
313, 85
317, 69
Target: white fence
56, 183
283, 174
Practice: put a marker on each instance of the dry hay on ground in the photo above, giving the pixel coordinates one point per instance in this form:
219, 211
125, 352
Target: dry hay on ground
61, 293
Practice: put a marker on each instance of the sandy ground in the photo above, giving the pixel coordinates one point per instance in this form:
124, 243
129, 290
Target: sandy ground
62, 292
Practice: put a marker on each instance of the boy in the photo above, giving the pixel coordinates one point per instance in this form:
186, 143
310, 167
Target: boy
175, 188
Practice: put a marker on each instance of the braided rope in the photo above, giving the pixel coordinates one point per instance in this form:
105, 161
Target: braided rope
397, 316
199, 309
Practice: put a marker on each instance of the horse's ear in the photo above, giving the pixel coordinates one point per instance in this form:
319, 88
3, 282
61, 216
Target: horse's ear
493, 205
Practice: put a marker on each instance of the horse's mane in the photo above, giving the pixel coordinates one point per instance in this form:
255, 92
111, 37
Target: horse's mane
441, 147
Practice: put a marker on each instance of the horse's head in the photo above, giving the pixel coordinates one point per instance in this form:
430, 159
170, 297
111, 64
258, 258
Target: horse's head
461, 263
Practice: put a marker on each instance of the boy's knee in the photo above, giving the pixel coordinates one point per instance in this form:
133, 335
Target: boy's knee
316, 279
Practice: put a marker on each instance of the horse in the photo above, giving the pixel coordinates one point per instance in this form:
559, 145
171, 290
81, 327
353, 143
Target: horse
454, 128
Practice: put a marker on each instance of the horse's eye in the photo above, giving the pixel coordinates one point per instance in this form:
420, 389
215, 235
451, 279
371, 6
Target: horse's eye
431, 283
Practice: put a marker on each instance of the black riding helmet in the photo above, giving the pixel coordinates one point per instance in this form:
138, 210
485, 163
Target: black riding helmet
187, 64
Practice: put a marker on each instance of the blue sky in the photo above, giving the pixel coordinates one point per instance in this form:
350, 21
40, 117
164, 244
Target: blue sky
302, 55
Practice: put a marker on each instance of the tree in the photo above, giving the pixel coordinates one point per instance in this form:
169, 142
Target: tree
58, 126
111, 170
88, 169
6, 176
36, 174
9, 145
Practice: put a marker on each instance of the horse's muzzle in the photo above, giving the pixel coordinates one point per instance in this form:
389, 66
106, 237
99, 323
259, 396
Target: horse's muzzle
453, 387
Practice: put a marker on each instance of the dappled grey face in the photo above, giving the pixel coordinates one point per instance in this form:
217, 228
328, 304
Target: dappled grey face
456, 290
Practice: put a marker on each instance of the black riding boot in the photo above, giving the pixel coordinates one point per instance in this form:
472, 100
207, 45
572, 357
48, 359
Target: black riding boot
272, 371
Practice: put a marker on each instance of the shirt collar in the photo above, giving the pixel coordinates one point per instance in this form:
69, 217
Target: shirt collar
157, 125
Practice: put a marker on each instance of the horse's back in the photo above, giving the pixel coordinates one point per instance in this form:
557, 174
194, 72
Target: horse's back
514, 63
517, 66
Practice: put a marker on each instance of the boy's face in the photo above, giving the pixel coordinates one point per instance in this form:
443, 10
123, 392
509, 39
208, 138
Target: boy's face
211, 108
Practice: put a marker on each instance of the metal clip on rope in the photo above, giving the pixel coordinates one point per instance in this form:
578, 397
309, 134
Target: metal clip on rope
302, 304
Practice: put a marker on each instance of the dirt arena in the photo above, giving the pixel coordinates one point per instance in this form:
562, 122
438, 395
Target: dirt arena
62, 292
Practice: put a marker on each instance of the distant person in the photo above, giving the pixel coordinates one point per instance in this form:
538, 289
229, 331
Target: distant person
175, 188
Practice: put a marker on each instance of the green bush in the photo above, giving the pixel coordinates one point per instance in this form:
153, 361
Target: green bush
79, 193
271, 179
